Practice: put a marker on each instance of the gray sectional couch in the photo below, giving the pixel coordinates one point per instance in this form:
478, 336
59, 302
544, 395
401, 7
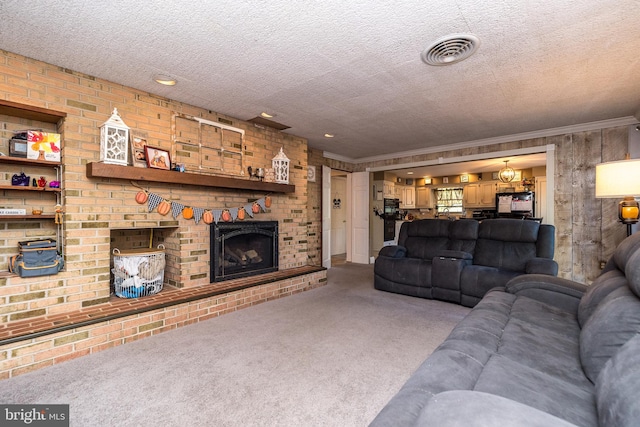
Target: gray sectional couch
541, 351
460, 261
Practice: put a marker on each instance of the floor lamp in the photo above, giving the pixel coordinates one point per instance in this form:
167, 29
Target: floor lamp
621, 179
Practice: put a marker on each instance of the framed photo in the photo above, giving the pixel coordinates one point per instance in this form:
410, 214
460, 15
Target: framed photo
445, 180
157, 158
464, 178
138, 156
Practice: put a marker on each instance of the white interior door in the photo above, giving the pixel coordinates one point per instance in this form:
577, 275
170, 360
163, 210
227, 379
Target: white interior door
326, 216
541, 199
359, 224
339, 215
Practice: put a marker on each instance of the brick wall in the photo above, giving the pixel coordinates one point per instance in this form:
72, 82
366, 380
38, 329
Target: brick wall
97, 210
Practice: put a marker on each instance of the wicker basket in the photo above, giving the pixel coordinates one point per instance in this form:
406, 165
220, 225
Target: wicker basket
138, 272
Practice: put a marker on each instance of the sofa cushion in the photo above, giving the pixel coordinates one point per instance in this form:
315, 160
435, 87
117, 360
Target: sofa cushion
617, 387
463, 235
508, 230
424, 239
632, 272
612, 324
517, 381
506, 244
546, 242
477, 409
534, 325
476, 280
506, 255
626, 249
601, 287
406, 271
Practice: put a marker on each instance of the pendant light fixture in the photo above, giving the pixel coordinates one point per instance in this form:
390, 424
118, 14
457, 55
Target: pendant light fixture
506, 174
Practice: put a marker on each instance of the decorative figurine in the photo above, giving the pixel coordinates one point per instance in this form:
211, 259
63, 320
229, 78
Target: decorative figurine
58, 215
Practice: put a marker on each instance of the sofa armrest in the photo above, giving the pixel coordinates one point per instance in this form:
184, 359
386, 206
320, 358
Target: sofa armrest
393, 251
556, 291
542, 266
454, 254
478, 409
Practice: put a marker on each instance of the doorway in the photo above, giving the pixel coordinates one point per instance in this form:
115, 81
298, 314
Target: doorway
338, 215
351, 225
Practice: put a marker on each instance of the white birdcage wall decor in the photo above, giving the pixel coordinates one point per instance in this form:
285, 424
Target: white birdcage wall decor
280, 164
114, 139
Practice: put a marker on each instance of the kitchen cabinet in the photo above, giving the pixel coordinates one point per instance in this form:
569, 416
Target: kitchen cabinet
471, 195
479, 195
407, 196
488, 194
398, 193
387, 188
424, 198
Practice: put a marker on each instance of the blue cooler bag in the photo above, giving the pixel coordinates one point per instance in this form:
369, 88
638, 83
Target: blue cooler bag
36, 258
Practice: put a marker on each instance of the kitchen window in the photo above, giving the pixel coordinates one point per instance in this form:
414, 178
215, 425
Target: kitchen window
449, 200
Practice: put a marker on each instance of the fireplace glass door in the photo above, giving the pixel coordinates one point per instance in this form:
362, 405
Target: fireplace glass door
243, 248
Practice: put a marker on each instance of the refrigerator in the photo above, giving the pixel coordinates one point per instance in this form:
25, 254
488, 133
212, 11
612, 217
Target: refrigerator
516, 205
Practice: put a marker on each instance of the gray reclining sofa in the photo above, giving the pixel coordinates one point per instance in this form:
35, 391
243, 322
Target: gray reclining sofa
459, 261
541, 351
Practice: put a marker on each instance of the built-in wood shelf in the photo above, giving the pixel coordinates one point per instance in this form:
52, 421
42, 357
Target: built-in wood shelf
29, 216
27, 162
27, 188
31, 112
104, 170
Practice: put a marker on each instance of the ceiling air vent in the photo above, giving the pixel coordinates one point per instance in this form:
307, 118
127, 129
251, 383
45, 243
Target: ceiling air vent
450, 49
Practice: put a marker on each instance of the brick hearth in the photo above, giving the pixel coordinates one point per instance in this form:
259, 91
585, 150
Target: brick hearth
46, 340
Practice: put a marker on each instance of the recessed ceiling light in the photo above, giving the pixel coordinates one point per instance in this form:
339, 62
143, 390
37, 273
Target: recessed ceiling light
329, 135
409, 173
267, 115
164, 80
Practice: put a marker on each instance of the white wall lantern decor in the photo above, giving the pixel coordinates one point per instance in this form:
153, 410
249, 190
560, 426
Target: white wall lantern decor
280, 164
114, 137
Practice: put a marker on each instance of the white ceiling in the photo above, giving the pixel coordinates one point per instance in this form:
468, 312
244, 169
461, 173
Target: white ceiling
353, 68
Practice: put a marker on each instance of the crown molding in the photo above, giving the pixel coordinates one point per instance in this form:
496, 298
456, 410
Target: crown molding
582, 127
340, 158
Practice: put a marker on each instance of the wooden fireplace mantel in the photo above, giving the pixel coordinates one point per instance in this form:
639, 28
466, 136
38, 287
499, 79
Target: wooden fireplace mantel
104, 170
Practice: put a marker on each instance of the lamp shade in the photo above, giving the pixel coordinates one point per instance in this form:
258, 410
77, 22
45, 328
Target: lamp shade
618, 179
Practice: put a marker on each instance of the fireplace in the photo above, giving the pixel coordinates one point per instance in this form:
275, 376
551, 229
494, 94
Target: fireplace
243, 248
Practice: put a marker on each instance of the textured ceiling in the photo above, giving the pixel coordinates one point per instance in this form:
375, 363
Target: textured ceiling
353, 68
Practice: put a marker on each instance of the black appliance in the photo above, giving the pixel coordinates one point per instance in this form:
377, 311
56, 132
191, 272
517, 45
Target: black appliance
481, 214
391, 214
516, 205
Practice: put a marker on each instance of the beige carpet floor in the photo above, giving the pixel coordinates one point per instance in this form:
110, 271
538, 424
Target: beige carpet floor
332, 356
